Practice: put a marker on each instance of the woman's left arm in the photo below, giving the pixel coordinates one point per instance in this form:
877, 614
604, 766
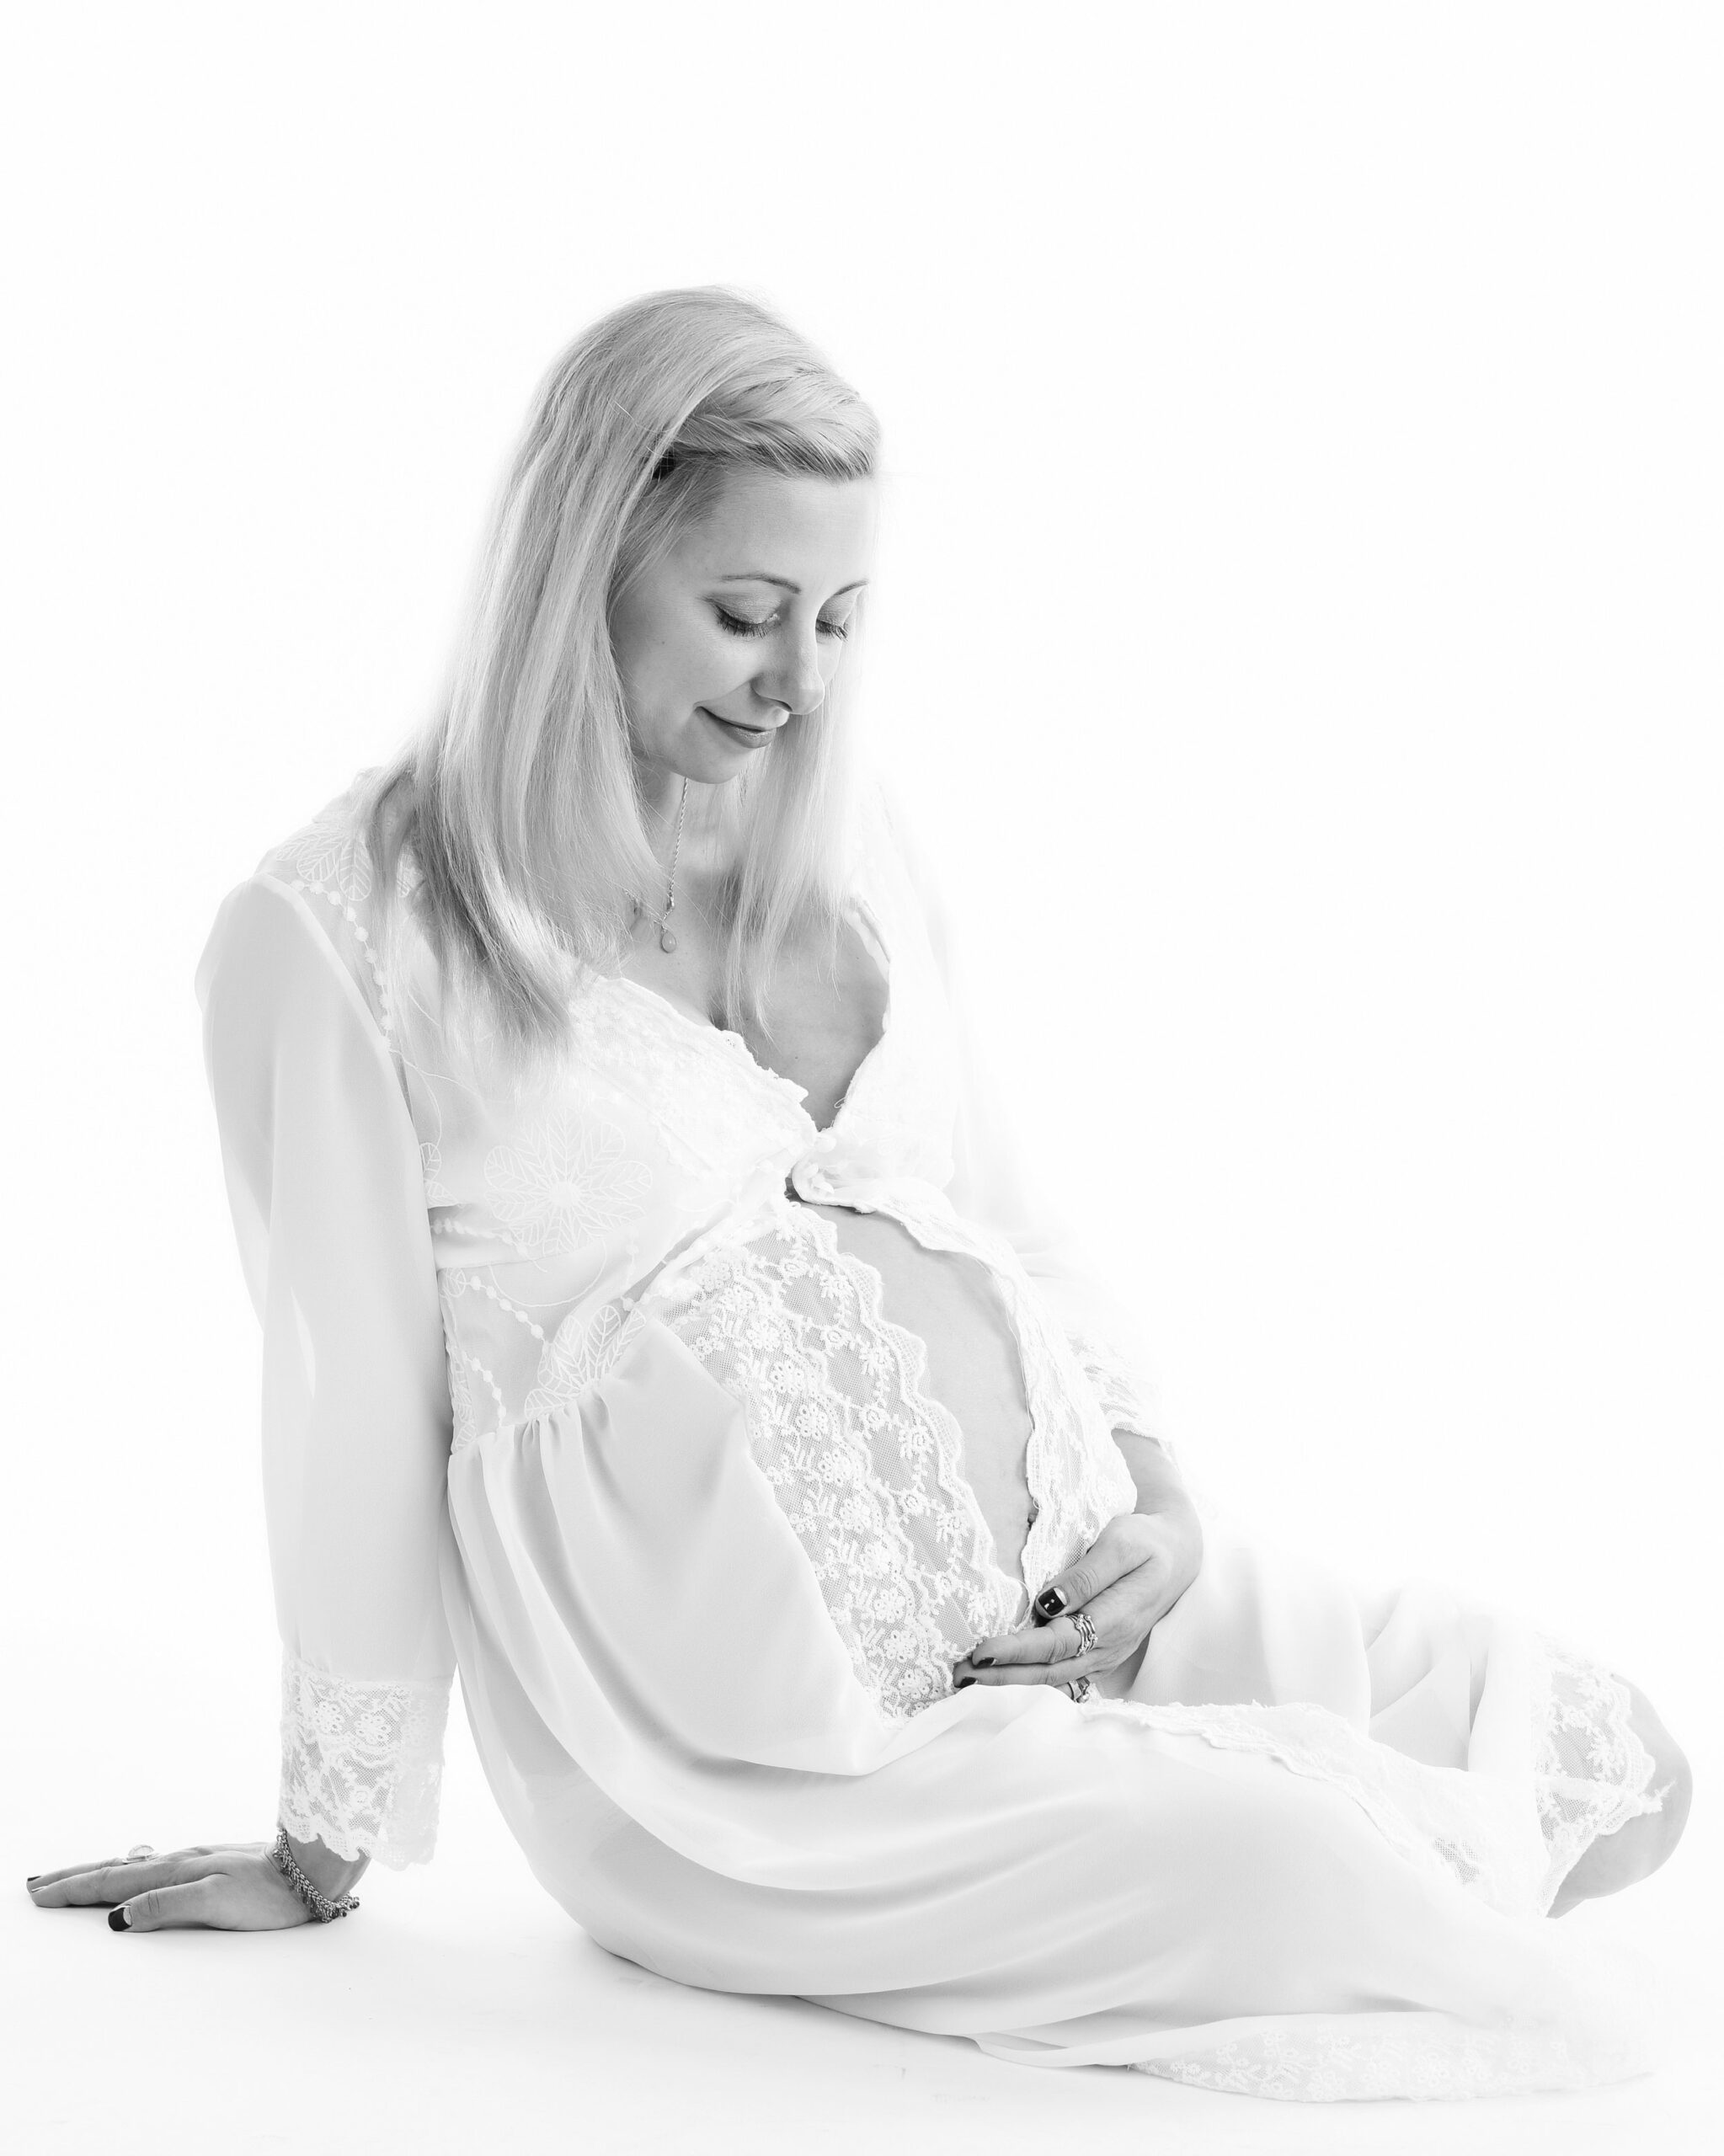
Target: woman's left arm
989, 1183
1142, 1561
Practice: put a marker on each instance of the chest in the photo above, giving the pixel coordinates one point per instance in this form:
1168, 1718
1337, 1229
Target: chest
824, 1012
824, 1022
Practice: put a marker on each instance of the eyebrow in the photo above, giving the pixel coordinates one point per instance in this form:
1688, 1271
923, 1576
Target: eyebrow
783, 583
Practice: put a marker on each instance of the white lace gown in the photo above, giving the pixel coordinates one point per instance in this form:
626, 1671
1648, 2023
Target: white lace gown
589, 1391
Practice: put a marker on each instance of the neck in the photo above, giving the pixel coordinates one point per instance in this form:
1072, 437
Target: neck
706, 840
662, 803
660, 793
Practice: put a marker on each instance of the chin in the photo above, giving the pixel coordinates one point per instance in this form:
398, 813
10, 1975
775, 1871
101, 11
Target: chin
723, 771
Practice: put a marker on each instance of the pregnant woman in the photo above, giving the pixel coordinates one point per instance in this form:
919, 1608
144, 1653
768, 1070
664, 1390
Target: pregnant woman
654, 1330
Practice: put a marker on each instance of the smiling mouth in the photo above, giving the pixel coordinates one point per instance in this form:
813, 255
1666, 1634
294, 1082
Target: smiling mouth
732, 726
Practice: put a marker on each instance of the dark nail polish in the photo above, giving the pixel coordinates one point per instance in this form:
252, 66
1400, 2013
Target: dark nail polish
983, 1660
33, 1878
1051, 1601
962, 1682
118, 1920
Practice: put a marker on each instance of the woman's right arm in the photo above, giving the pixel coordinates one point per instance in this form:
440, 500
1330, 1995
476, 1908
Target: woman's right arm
324, 1178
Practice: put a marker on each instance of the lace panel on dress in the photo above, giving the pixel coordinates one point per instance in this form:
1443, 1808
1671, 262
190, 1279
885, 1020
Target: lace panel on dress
1077, 1476
362, 1763
865, 1465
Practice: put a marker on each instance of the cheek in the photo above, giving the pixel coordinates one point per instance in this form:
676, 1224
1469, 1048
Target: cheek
702, 661
664, 651
665, 667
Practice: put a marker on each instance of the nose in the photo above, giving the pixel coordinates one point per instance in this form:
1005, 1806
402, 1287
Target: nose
793, 677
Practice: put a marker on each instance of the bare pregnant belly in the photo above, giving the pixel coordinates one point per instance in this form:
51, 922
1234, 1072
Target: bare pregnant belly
950, 1302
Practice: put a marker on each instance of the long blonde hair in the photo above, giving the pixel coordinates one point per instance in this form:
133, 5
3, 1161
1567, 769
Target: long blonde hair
521, 801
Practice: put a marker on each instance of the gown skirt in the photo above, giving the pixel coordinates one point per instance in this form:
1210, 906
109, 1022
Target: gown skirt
1306, 1856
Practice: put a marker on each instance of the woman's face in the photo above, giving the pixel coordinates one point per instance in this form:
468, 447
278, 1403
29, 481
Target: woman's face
740, 626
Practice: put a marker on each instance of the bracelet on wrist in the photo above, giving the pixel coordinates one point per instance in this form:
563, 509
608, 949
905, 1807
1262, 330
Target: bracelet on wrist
322, 1908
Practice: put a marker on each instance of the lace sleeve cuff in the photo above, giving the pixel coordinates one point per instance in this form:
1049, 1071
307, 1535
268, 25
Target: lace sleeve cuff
362, 1763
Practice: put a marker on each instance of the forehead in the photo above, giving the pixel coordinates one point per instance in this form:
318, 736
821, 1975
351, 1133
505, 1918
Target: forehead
812, 531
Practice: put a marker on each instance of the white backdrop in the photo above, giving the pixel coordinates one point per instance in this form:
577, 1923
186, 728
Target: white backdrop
1297, 631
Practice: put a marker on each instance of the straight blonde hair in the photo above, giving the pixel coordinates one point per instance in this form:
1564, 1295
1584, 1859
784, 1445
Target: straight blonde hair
519, 803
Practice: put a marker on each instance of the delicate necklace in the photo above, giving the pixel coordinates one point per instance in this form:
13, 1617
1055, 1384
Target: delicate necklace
667, 934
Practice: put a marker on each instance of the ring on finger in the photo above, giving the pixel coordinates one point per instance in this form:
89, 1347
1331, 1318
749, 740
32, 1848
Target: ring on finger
1080, 1689
1086, 1632
139, 1853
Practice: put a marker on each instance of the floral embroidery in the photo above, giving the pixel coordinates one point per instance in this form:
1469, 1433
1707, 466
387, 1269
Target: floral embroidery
568, 1183
578, 1356
328, 859
330, 854
841, 1429
362, 1762
431, 1168
1591, 1772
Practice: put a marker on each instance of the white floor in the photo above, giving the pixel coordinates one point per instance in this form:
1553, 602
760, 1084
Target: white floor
461, 2010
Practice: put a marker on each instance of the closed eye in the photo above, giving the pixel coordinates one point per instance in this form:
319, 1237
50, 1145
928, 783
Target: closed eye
737, 625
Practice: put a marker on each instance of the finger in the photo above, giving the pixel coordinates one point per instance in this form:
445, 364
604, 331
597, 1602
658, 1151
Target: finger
44, 1879
200, 1852
162, 1908
101, 1885
1056, 1656
1122, 1546
1056, 1641
1131, 1607
1037, 1672
1105, 1560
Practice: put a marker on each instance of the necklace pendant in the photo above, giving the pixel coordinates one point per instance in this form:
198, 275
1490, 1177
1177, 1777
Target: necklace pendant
667, 940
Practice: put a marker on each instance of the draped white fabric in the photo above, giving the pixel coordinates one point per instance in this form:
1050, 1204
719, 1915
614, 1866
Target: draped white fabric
324, 1181
631, 1365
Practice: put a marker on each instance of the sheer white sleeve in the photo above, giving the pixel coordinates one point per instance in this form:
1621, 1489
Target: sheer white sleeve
992, 1185
324, 1178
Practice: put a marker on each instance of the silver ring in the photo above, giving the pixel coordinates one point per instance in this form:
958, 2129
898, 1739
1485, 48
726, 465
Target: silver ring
1086, 1632
138, 1852
1080, 1689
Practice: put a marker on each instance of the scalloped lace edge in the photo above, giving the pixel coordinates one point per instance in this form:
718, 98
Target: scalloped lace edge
1581, 1706
1442, 2063
910, 1354
362, 1762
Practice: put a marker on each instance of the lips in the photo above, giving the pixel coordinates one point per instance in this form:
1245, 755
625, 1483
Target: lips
750, 733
